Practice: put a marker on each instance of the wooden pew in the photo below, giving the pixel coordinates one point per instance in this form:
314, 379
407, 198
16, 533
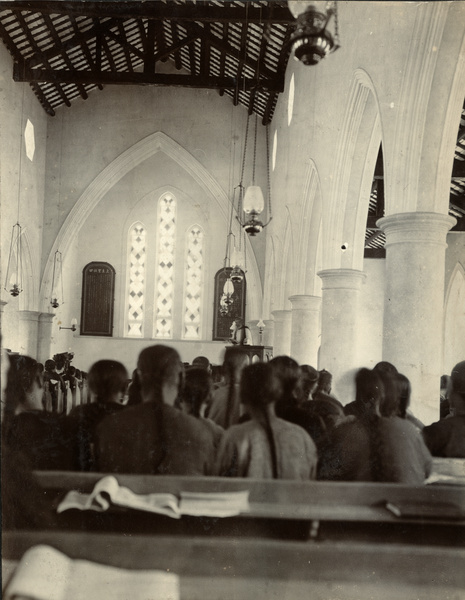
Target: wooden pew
283, 509
220, 568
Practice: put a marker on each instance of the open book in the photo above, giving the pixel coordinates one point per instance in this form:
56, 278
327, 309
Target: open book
107, 491
46, 574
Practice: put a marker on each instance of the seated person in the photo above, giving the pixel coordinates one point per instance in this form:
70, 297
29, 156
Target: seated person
55, 380
323, 390
265, 447
134, 396
225, 405
39, 435
447, 437
372, 447
308, 383
195, 397
154, 437
107, 385
404, 390
23, 502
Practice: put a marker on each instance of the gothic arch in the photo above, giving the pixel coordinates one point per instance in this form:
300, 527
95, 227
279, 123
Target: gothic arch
309, 235
118, 168
355, 163
454, 319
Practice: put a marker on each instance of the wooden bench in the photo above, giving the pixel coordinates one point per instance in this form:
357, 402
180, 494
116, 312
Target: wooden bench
282, 509
220, 568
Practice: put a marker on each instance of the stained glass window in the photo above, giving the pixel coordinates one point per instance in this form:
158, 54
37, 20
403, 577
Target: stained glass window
164, 288
136, 281
193, 285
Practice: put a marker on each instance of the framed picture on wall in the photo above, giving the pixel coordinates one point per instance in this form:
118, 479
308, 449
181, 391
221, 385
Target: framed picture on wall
98, 298
227, 307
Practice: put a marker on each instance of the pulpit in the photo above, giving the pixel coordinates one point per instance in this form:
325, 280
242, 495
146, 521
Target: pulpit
257, 353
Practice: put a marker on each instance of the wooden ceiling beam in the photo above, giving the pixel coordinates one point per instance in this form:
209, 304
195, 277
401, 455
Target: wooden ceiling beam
177, 54
58, 76
458, 169
156, 10
85, 49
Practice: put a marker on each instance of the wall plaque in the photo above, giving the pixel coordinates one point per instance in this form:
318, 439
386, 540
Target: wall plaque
98, 297
224, 313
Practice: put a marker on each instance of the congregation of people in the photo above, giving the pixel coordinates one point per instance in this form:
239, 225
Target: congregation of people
263, 420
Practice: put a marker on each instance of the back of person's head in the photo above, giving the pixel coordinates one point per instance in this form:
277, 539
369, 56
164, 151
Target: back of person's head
159, 366
197, 390
50, 365
260, 385
369, 390
404, 390
134, 395
24, 374
390, 404
457, 393
107, 380
201, 362
260, 388
71, 370
308, 382
235, 359
385, 367
445, 380
325, 380
288, 372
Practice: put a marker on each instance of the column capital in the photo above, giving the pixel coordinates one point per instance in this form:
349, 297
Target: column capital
305, 302
3, 303
415, 227
348, 279
29, 315
46, 317
281, 315
268, 323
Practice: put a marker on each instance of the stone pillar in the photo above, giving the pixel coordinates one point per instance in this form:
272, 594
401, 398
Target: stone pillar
252, 325
305, 329
268, 333
44, 336
28, 335
282, 332
414, 303
339, 328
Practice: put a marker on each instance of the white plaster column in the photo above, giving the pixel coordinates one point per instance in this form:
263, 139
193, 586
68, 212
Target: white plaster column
339, 328
252, 325
282, 332
268, 332
414, 303
29, 331
44, 336
305, 328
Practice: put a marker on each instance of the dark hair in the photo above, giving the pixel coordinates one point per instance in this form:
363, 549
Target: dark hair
197, 389
370, 392
107, 378
288, 372
201, 361
21, 375
234, 362
404, 390
325, 380
385, 367
307, 382
159, 365
369, 389
134, 396
260, 386
50, 364
390, 403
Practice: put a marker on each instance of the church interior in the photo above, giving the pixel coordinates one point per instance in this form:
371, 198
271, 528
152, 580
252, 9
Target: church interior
131, 135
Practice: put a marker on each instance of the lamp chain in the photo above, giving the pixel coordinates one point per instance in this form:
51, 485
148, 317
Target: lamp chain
268, 168
336, 24
254, 150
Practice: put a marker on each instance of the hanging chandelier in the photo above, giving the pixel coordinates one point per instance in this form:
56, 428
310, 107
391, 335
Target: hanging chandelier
316, 34
57, 277
14, 270
252, 201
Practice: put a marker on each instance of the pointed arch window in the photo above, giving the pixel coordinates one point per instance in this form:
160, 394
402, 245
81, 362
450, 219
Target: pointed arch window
193, 283
136, 281
164, 289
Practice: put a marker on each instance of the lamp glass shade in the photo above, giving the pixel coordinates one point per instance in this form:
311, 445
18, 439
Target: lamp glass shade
253, 200
73, 322
228, 288
297, 7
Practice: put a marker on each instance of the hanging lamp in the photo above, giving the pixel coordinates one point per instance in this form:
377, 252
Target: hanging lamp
14, 270
57, 276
